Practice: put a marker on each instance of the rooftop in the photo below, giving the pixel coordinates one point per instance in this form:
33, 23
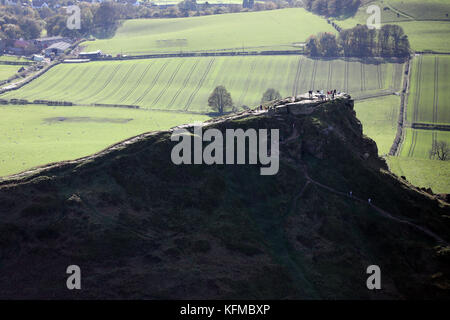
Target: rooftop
60, 45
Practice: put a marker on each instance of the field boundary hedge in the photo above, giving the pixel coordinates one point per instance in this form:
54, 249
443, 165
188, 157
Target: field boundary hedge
430, 126
400, 135
201, 54
17, 63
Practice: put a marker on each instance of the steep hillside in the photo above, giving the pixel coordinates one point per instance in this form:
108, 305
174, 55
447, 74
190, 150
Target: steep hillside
141, 227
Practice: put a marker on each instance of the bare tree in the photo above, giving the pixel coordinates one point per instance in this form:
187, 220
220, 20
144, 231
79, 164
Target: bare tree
220, 99
441, 150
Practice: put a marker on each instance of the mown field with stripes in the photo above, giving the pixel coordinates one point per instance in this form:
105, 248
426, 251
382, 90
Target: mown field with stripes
185, 83
427, 111
429, 90
417, 143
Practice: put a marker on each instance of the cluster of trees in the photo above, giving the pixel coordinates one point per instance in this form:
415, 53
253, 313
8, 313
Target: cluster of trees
28, 23
248, 3
332, 8
20, 22
188, 8
360, 41
220, 99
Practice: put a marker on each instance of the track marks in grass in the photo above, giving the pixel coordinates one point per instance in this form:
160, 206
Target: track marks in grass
363, 77
313, 74
169, 83
379, 77
297, 76
436, 89
70, 85
330, 75
123, 81
346, 75
155, 80
412, 147
433, 141
200, 84
49, 84
110, 77
89, 83
138, 83
418, 88
185, 82
247, 83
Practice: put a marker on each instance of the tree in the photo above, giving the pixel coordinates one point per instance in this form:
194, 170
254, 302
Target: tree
220, 99
311, 47
328, 46
270, 95
441, 150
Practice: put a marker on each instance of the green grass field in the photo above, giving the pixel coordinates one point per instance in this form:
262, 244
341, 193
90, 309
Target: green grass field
186, 83
36, 135
423, 34
417, 143
429, 96
379, 117
13, 58
7, 71
432, 174
415, 164
265, 30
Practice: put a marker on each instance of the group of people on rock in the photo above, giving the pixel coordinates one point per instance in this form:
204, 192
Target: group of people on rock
322, 96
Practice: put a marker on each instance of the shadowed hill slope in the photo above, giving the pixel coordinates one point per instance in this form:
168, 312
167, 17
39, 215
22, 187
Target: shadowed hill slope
141, 227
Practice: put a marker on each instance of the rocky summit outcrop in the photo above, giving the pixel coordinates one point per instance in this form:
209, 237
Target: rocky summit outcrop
141, 227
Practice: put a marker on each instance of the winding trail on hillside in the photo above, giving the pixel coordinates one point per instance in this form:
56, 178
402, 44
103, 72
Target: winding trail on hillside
383, 213
379, 210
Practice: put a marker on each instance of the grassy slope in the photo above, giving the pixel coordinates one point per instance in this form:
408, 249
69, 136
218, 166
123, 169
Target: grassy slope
28, 140
186, 83
276, 29
379, 118
7, 71
414, 163
423, 35
432, 174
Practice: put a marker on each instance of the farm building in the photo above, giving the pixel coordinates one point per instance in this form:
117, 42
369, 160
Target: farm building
37, 58
57, 48
43, 43
90, 55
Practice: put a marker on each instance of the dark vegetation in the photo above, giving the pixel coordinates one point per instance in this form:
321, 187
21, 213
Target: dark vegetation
141, 227
270, 95
360, 41
333, 8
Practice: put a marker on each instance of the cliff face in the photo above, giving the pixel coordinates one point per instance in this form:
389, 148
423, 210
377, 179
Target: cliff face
140, 226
